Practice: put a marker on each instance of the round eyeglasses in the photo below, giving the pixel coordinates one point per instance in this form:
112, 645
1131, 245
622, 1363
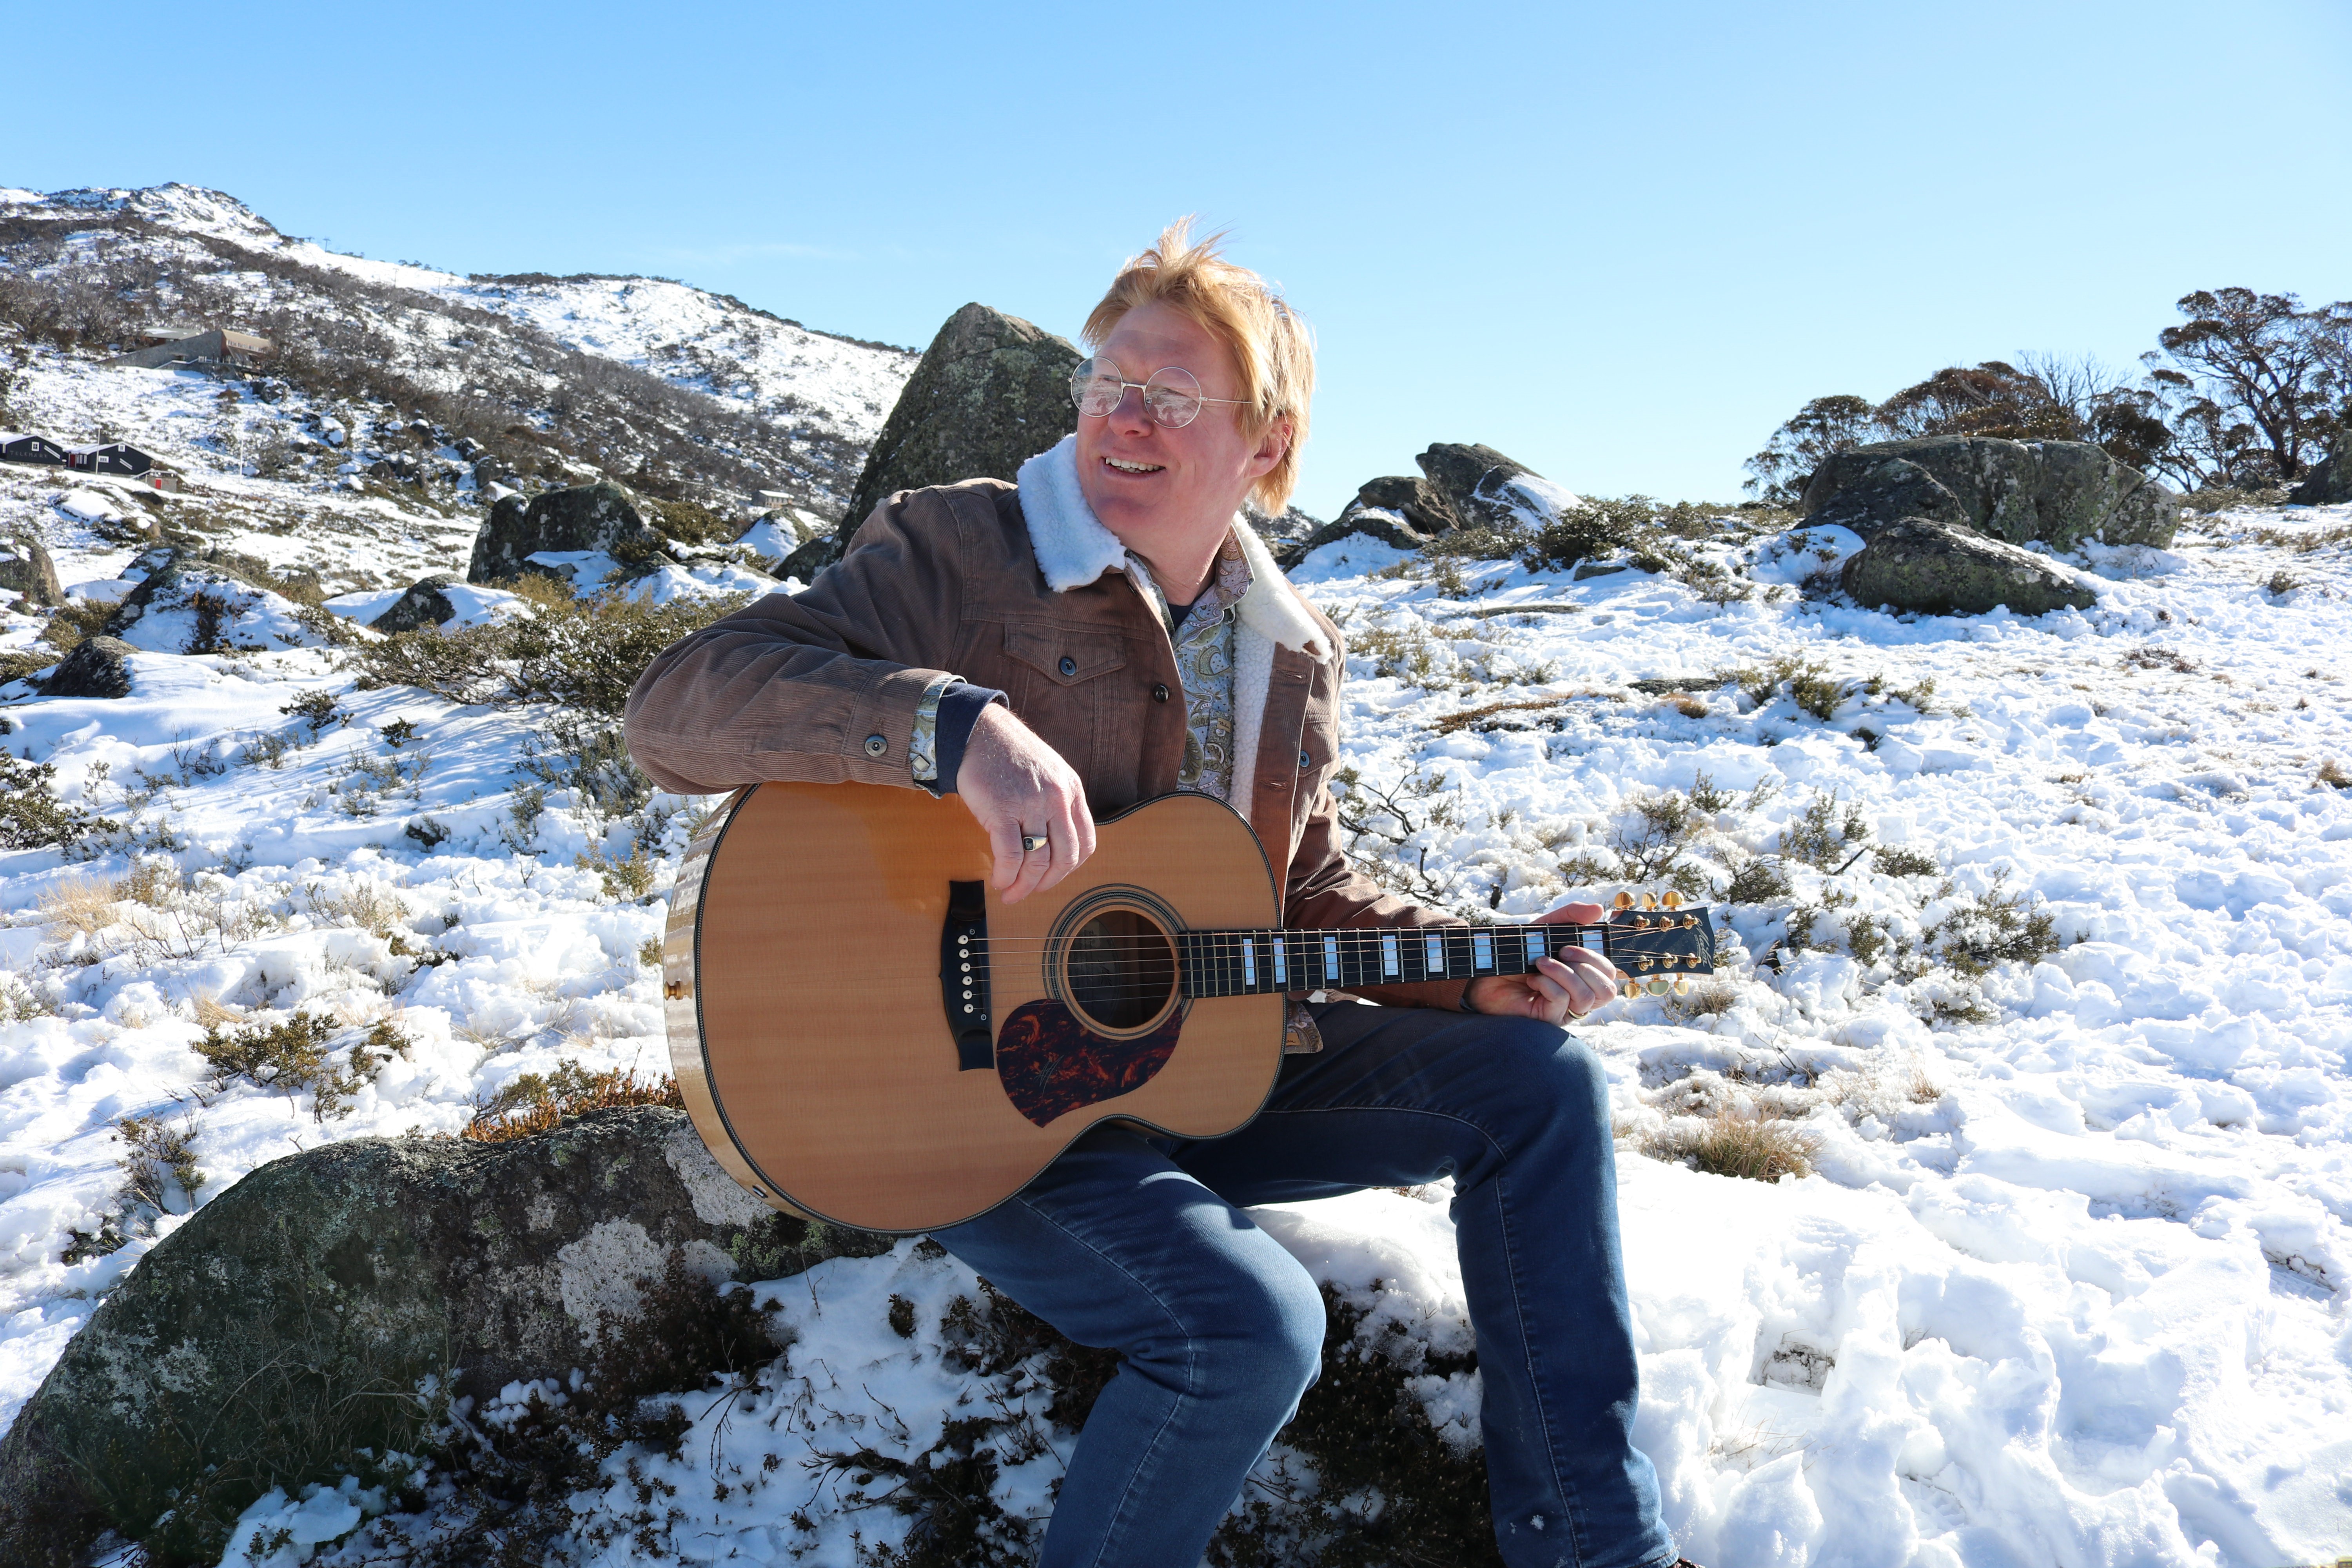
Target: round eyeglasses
1172, 397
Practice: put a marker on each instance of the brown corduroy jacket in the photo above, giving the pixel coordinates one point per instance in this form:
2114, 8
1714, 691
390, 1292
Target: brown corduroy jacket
947, 581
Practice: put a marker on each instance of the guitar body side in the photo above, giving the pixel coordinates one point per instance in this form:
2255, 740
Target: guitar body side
803, 1008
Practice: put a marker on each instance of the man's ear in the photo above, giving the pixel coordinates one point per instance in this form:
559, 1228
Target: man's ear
1272, 448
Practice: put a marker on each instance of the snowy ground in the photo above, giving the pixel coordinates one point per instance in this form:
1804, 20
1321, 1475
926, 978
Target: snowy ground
2069, 1287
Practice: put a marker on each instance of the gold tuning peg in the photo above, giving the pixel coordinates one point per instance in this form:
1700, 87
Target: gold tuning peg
1631, 989
1682, 985
1671, 899
1649, 900
1658, 985
1623, 900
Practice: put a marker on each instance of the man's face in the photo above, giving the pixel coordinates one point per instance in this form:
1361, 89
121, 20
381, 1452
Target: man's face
1155, 487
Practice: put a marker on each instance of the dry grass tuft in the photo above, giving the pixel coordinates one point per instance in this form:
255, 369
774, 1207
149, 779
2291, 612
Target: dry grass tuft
1478, 717
1708, 999
211, 1012
1752, 1144
82, 905
536, 1103
2332, 775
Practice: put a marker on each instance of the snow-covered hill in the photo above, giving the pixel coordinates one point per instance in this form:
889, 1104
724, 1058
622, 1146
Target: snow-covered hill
677, 392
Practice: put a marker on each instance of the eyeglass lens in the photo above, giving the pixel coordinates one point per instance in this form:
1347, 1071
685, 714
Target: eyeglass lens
1172, 396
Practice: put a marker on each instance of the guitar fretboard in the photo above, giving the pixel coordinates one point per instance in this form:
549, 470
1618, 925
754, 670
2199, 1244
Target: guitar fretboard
1255, 962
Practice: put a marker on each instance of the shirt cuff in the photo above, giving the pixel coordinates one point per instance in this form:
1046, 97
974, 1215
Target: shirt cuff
952, 706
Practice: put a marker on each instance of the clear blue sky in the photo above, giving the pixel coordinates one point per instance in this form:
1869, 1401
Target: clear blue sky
1619, 242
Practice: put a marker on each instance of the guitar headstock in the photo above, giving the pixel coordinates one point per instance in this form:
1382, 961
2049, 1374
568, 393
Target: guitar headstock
1658, 941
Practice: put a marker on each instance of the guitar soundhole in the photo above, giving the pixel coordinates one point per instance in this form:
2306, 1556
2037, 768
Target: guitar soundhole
1119, 970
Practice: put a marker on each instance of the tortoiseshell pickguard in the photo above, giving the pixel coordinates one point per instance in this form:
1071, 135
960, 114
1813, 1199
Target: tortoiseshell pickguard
1051, 1064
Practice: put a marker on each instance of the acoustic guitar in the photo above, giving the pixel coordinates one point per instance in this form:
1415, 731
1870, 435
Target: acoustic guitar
864, 1035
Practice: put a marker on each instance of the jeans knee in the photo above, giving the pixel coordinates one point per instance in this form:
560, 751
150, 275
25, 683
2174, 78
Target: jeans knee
1273, 1332
1555, 1074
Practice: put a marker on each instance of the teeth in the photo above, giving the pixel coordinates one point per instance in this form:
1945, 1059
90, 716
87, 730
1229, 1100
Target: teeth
1132, 467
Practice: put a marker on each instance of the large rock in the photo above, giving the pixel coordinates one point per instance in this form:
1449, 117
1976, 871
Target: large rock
1943, 568
586, 517
2058, 492
1886, 489
25, 566
291, 1320
2330, 479
208, 600
1421, 504
425, 605
1476, 481
98, 666
991, 391
1371, 523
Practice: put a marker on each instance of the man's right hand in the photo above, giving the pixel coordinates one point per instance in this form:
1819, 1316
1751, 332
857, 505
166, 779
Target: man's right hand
1014, 784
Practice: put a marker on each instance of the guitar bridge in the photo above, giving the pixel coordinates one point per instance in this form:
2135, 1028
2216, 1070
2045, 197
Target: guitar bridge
963, 976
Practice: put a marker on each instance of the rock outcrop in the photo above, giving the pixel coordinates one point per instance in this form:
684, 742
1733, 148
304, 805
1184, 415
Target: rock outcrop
991, 391
2330, 479
98, 666
1476, 481
292, 1320
1944, 569
26, 567
1460, 485
208, 600
595, 518
425, 605
2060, 493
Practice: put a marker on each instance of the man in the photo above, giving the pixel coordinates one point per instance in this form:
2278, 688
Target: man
1103, 632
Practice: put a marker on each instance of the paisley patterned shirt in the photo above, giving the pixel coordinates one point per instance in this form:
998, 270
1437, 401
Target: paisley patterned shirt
1204, 663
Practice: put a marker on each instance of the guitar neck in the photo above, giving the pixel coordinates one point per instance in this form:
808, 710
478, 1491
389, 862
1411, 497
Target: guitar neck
1257, 963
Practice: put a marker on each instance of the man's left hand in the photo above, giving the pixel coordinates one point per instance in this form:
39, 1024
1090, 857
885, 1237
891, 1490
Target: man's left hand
1560, 989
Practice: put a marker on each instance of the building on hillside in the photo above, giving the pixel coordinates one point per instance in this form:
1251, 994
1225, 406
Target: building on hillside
16, 449
219, 348
108, 458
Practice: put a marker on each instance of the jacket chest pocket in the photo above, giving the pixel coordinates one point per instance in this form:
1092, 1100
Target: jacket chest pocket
1054, 676
1064, 657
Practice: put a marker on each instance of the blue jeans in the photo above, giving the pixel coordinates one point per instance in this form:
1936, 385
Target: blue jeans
1141, 1246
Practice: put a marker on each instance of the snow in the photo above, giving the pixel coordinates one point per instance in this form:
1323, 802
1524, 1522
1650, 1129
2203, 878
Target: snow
2072, 1284
2066, 1287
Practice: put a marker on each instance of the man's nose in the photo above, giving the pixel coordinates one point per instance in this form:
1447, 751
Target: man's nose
1129, 415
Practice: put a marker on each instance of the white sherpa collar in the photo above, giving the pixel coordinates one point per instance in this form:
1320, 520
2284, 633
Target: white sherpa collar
1073, 549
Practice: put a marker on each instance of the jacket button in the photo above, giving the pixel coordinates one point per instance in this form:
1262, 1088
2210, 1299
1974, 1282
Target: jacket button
1304, 761
875, 745
1069, 665
1158, 693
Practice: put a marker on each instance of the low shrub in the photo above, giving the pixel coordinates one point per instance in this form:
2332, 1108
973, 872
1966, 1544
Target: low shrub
31, 815
582, 655
74, 623
1991, 928
316, 708
294, 1056
158, 1156
1824, 837
1890, 860
535, 1102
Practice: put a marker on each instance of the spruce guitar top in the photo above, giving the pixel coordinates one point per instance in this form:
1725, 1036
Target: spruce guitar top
864, 1035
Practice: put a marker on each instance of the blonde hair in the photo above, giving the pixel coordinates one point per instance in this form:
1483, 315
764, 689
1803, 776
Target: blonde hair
1271, 346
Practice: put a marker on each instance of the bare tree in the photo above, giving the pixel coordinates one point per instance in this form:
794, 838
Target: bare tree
2255, 384
1818, 432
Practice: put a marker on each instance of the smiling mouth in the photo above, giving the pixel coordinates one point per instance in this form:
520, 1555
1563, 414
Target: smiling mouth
1127, 466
